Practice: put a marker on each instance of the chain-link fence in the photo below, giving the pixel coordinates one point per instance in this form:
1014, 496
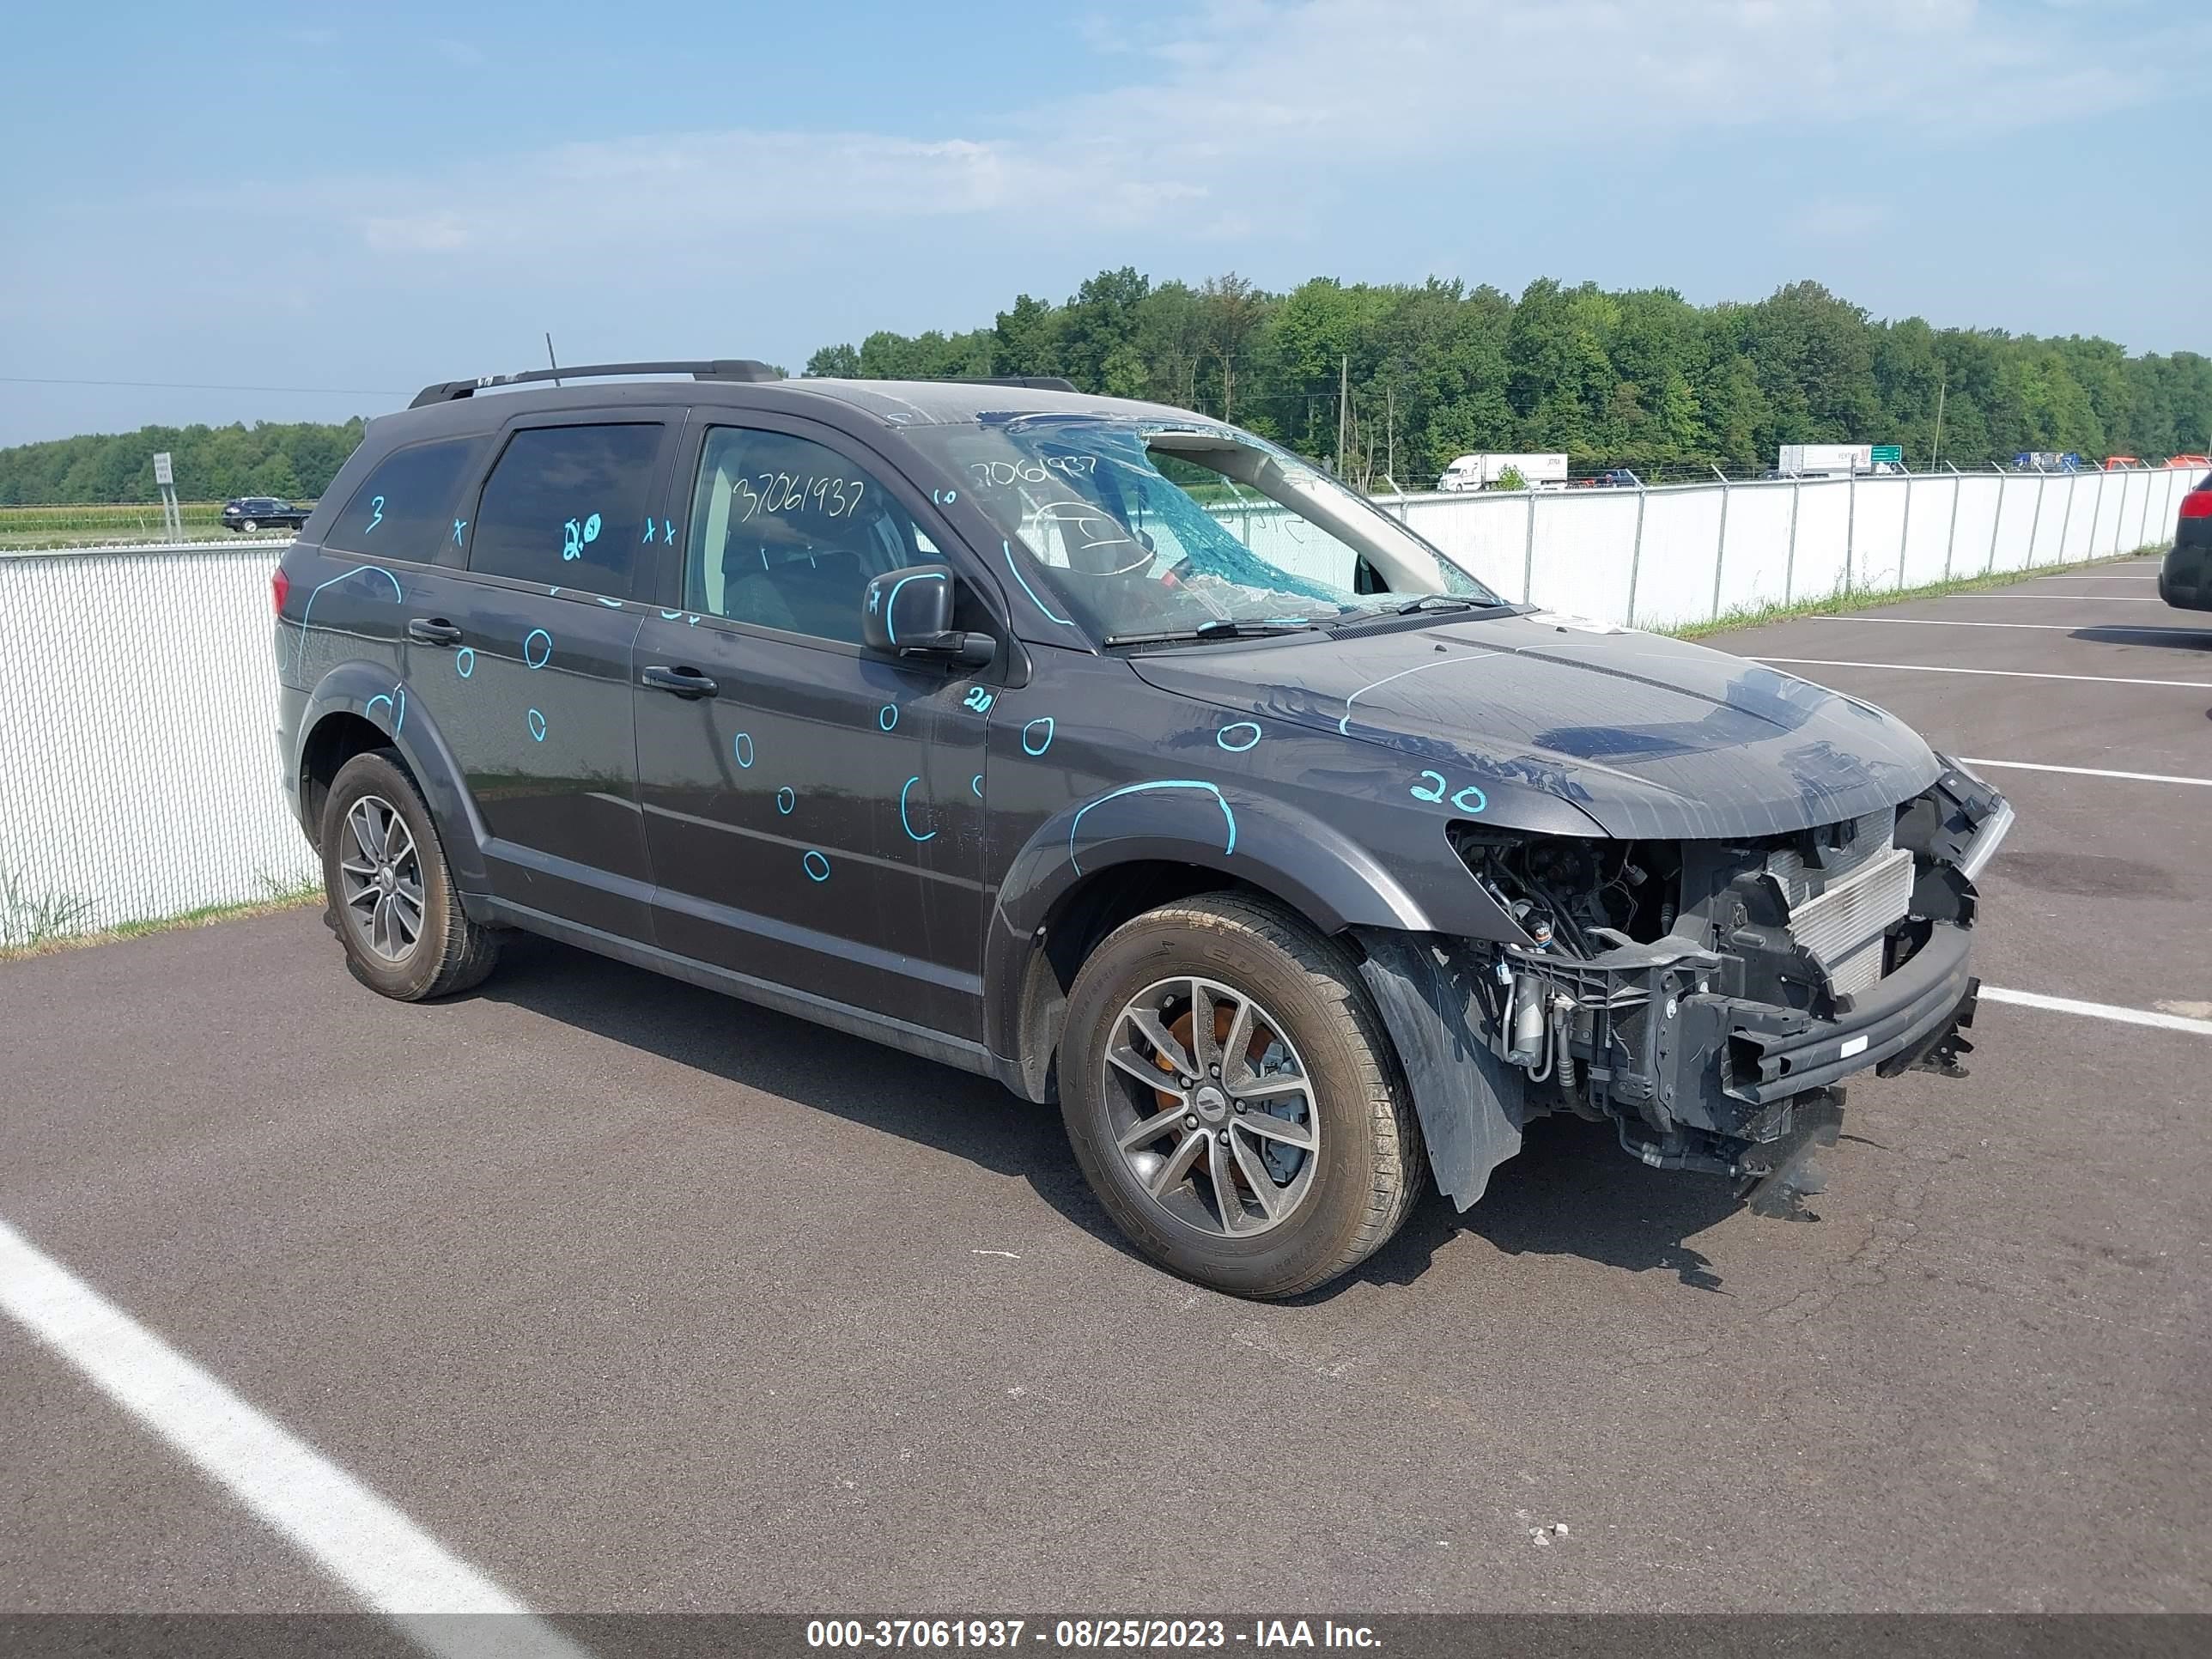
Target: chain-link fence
138, 767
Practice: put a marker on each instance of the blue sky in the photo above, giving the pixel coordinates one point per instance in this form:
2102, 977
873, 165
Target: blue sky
363, 199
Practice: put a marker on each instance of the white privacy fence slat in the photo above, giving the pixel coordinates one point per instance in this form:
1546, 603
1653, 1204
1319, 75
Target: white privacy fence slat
139, 769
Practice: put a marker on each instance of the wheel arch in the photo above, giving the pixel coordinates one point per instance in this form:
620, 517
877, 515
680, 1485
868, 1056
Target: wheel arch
357, 707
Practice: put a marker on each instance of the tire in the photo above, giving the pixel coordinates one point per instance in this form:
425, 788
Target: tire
249, 526
1348, 1194
448, 952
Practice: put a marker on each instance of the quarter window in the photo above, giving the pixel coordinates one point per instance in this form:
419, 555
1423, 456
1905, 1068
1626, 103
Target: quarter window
405, 508
565, 506
786, 533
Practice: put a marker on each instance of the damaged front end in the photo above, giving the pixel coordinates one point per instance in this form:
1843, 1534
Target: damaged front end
1708, 997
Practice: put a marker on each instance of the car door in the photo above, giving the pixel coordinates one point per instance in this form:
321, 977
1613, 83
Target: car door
519, 647
813, 812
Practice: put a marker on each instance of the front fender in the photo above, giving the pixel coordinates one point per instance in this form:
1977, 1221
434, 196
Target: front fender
369, 691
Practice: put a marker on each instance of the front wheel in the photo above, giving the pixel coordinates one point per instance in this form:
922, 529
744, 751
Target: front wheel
249, 526
1232, 1098
392, 897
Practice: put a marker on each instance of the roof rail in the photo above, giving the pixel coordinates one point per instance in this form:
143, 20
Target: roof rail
720, 369
1034, 382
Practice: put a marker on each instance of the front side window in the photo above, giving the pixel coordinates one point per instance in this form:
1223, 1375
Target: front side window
405, 508
565, 506
786, 533
1148, 529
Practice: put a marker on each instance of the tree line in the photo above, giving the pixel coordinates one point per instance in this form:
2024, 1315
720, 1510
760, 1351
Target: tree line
1640, 379
295, 459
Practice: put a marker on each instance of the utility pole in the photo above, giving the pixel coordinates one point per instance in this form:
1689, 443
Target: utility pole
1343, 387
1935, 449
1390, 435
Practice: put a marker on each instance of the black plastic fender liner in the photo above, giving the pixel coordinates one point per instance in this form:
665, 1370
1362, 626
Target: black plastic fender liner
1470, 1103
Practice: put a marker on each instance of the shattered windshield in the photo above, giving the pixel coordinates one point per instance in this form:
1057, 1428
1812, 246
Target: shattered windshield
1145, 529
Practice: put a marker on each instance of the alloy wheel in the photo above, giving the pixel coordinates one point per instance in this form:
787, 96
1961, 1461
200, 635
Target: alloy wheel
381, 874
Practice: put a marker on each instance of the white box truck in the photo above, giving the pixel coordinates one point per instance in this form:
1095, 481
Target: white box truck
1480, 471
1824, 460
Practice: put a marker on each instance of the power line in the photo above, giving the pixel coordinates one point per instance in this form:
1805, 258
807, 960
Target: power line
193, 386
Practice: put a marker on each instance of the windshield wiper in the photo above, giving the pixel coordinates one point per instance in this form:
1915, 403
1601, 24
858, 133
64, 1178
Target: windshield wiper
1221, 628
1440, 602
1427, 602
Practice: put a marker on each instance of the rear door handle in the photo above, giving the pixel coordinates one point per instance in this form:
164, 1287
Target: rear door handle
433, 630
683, 682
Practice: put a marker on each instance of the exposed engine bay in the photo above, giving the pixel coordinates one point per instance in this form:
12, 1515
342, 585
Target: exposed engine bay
1709, 997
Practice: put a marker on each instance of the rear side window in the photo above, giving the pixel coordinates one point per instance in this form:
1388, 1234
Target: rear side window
405, 508
565, 506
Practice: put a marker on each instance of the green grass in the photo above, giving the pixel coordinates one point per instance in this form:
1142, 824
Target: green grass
32, 528
33, 942
1859, 598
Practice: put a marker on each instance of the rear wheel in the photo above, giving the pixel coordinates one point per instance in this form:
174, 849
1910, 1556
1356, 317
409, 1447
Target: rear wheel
249, 525
1233, 1101
392, 897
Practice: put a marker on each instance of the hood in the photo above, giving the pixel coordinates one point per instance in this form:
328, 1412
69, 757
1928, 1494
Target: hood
1651, 736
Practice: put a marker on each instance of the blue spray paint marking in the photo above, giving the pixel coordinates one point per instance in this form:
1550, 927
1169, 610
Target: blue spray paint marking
539, 662
649, 531
979, 700
1158, 783
904, 822
400, 718
887, 716
694, 622
1222, 736
613, 603
976, 786
1045, 720
376, 501
465, 661
785, 799
668, 531
552, 593
1481, 803
1344, 726
741, 746
890, 613
380, 697
459, 525
537, 727
574, 535
308, 609
944, 497
670, 616
1008, 550
810, 861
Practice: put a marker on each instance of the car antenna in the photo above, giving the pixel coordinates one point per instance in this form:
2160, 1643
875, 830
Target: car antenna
550, 357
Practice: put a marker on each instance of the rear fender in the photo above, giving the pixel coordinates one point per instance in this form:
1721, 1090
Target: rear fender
369, 691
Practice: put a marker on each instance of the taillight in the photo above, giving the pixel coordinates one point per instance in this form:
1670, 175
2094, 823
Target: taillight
2197, 504
279, 585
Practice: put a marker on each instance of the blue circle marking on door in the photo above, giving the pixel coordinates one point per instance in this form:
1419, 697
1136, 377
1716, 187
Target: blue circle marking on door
465, 661
537, 727
1222, 736
905, 822
1043, 743
887, 716
540, 660
785, 799
741, 747
818, 867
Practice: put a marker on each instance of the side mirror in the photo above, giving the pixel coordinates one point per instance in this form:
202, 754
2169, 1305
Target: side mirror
908, 613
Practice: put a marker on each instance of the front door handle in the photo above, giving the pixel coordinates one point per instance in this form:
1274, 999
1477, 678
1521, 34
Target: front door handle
433, 630
683, 682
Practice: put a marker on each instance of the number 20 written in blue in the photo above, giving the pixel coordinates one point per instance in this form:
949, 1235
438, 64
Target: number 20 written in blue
1422, 792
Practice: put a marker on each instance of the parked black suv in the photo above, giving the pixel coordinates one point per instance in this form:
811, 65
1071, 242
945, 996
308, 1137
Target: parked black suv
2184, 575
1289, 859
251, 512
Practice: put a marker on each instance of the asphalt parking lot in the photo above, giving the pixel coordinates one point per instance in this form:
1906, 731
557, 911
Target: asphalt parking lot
632, 1298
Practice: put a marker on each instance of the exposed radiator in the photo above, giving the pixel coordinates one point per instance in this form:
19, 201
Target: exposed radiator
1844, 926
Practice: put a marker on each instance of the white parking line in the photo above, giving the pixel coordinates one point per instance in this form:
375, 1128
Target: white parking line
2060, 627
2000, 673
2099, 1011
2064, 598
361, 1541
2090, 772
